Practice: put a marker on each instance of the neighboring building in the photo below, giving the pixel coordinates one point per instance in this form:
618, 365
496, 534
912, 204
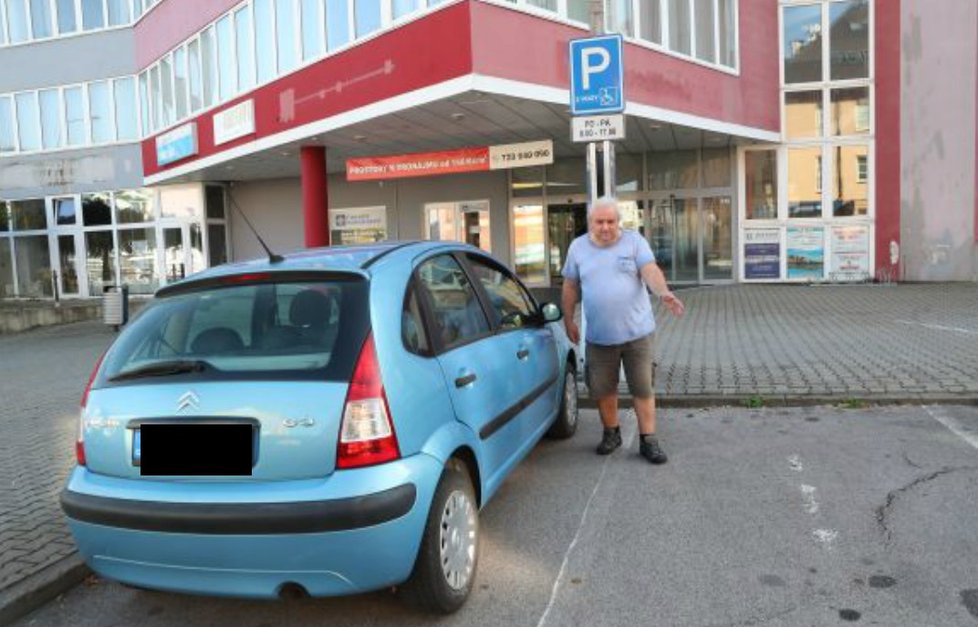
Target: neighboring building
842, 149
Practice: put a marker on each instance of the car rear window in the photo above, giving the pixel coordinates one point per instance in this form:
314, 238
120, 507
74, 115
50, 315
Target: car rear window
305, 329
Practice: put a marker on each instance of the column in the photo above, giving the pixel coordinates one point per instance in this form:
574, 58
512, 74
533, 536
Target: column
314, 196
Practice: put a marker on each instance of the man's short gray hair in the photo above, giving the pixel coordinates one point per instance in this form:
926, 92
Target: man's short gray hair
604, 201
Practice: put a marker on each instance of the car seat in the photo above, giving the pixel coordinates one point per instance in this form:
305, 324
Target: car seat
216, 340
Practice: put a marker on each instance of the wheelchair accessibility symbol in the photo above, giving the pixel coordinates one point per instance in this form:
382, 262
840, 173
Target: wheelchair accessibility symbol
608, 96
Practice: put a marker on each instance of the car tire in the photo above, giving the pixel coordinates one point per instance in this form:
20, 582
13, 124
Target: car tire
446, 565
567, 416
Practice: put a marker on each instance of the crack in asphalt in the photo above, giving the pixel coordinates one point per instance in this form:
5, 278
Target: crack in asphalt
883, 510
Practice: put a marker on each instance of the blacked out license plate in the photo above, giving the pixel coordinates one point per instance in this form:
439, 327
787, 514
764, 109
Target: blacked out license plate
190, 449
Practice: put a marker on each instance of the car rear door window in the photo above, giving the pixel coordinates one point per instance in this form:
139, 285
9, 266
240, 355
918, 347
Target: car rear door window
457, 315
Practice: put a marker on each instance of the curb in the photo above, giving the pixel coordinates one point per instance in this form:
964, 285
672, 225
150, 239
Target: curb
756, 401
29, 594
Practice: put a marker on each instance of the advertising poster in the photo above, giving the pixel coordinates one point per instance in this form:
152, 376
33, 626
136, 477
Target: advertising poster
762, 253
806, 252
360, 225
850, 252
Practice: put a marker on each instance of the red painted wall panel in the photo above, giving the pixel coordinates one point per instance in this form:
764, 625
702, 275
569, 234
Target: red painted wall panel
887, 60
515, 46
172, 21
417, 55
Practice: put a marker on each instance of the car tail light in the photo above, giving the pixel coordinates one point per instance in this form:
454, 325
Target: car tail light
80, 442
366, 434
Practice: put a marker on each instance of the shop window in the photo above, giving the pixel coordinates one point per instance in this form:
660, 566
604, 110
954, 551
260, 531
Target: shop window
804, 197
628, 173
133, 206
197, 261
717, 238
716, 167
65, 211
528, 243
459, 221
33, 266
677, 169
761, 184
100, 260
137, 260
802, 52
6, 267
4, 216
850, 111
29, 215
217, 244
181, 201
850, 196
567, 176
96, 209
803, 114
849, 39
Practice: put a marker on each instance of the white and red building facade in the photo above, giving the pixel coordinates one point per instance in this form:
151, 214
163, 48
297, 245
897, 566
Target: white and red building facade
771, 141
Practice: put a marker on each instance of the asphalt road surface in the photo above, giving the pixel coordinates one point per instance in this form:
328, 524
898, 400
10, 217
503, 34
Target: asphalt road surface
770, 516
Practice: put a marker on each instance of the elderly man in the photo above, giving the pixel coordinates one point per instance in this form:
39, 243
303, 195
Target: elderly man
612, 268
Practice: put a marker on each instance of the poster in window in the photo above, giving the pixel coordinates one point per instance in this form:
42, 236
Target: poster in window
358, 225
762, 253
806, 252
850, 253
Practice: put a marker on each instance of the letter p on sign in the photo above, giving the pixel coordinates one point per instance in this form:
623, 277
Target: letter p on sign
593, 61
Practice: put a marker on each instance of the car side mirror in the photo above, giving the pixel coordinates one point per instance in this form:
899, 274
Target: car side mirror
551, 312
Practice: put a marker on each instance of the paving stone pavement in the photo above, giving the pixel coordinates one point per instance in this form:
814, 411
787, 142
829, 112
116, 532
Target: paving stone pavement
794, 344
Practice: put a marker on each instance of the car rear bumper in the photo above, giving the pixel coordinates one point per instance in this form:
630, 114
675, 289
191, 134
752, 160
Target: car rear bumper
354, 531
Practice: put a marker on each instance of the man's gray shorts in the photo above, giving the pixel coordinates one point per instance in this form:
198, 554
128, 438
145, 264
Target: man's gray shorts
638, 358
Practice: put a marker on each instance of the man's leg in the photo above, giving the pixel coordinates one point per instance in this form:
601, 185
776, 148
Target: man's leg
638, 358
603, 363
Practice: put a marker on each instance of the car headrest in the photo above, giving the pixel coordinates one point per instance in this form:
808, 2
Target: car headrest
310, 308
216, 340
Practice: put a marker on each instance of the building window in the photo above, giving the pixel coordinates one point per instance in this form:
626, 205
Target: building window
803, 114
679, 26
861, 169
802, 52
228, 81
51, 135
337, 24
28, 124
285, 33
761, 184
705, 28
8, 139
75, 116
41, 18
849, 39
245, 48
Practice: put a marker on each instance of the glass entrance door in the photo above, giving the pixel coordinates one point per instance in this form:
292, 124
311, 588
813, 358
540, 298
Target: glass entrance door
68, 258
564, 223
692, 238
174, 254
685, 240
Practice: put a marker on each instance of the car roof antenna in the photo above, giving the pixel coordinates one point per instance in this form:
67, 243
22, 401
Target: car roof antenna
272, 257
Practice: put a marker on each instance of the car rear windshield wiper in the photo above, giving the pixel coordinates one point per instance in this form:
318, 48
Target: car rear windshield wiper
163, 369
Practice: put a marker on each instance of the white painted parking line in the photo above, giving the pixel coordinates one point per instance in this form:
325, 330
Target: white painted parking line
953, 426
629, 425
938, 327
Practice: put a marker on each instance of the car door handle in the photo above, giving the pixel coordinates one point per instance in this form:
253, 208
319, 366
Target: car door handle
461, 382
522, 353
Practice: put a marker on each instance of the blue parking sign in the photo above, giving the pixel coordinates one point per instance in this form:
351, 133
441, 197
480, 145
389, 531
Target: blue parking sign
597, 75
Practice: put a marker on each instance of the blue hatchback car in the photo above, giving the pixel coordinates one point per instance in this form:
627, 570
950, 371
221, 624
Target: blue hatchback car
328, 423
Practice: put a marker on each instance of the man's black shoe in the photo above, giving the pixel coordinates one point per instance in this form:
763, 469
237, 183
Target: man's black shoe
650, 450
609, 441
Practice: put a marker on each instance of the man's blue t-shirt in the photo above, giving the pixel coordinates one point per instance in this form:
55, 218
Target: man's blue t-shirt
615, 299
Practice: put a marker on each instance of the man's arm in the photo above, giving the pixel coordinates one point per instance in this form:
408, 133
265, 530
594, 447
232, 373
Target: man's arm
653, 277
569, 296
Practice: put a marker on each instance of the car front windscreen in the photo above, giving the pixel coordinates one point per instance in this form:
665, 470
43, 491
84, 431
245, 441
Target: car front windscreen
307, 329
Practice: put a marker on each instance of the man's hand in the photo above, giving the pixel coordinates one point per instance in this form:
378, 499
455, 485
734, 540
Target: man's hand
673, 304
573, 333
